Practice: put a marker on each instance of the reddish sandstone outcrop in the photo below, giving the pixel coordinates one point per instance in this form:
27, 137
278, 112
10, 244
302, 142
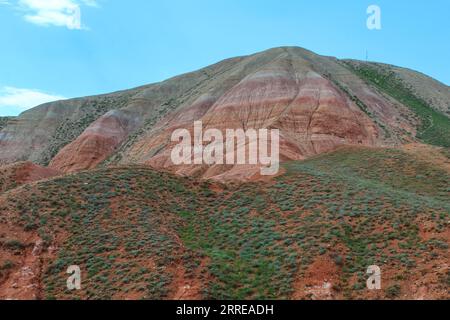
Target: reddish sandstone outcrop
20, 173
96, 143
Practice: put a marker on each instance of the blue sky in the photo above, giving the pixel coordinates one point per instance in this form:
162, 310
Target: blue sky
49, 52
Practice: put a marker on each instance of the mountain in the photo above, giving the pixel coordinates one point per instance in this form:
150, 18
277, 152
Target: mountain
364, 180
319, 103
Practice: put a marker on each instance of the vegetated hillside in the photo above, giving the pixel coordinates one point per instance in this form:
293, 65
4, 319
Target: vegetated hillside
318, 103
434, 125
308, 234
434, 93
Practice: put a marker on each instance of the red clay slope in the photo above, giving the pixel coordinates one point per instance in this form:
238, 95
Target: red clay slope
96, 143
20, 173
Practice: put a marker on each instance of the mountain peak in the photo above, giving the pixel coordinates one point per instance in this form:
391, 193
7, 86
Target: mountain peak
318, 103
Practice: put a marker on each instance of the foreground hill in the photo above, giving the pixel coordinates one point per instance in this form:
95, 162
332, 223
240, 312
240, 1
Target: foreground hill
319, 103
308, 234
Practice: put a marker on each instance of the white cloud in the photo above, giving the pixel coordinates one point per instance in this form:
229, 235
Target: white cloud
59, 13
24, 99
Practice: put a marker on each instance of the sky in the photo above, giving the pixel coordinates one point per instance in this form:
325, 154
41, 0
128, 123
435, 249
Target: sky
57, 49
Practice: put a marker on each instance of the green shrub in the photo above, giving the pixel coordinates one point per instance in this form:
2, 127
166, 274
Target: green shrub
393, 291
